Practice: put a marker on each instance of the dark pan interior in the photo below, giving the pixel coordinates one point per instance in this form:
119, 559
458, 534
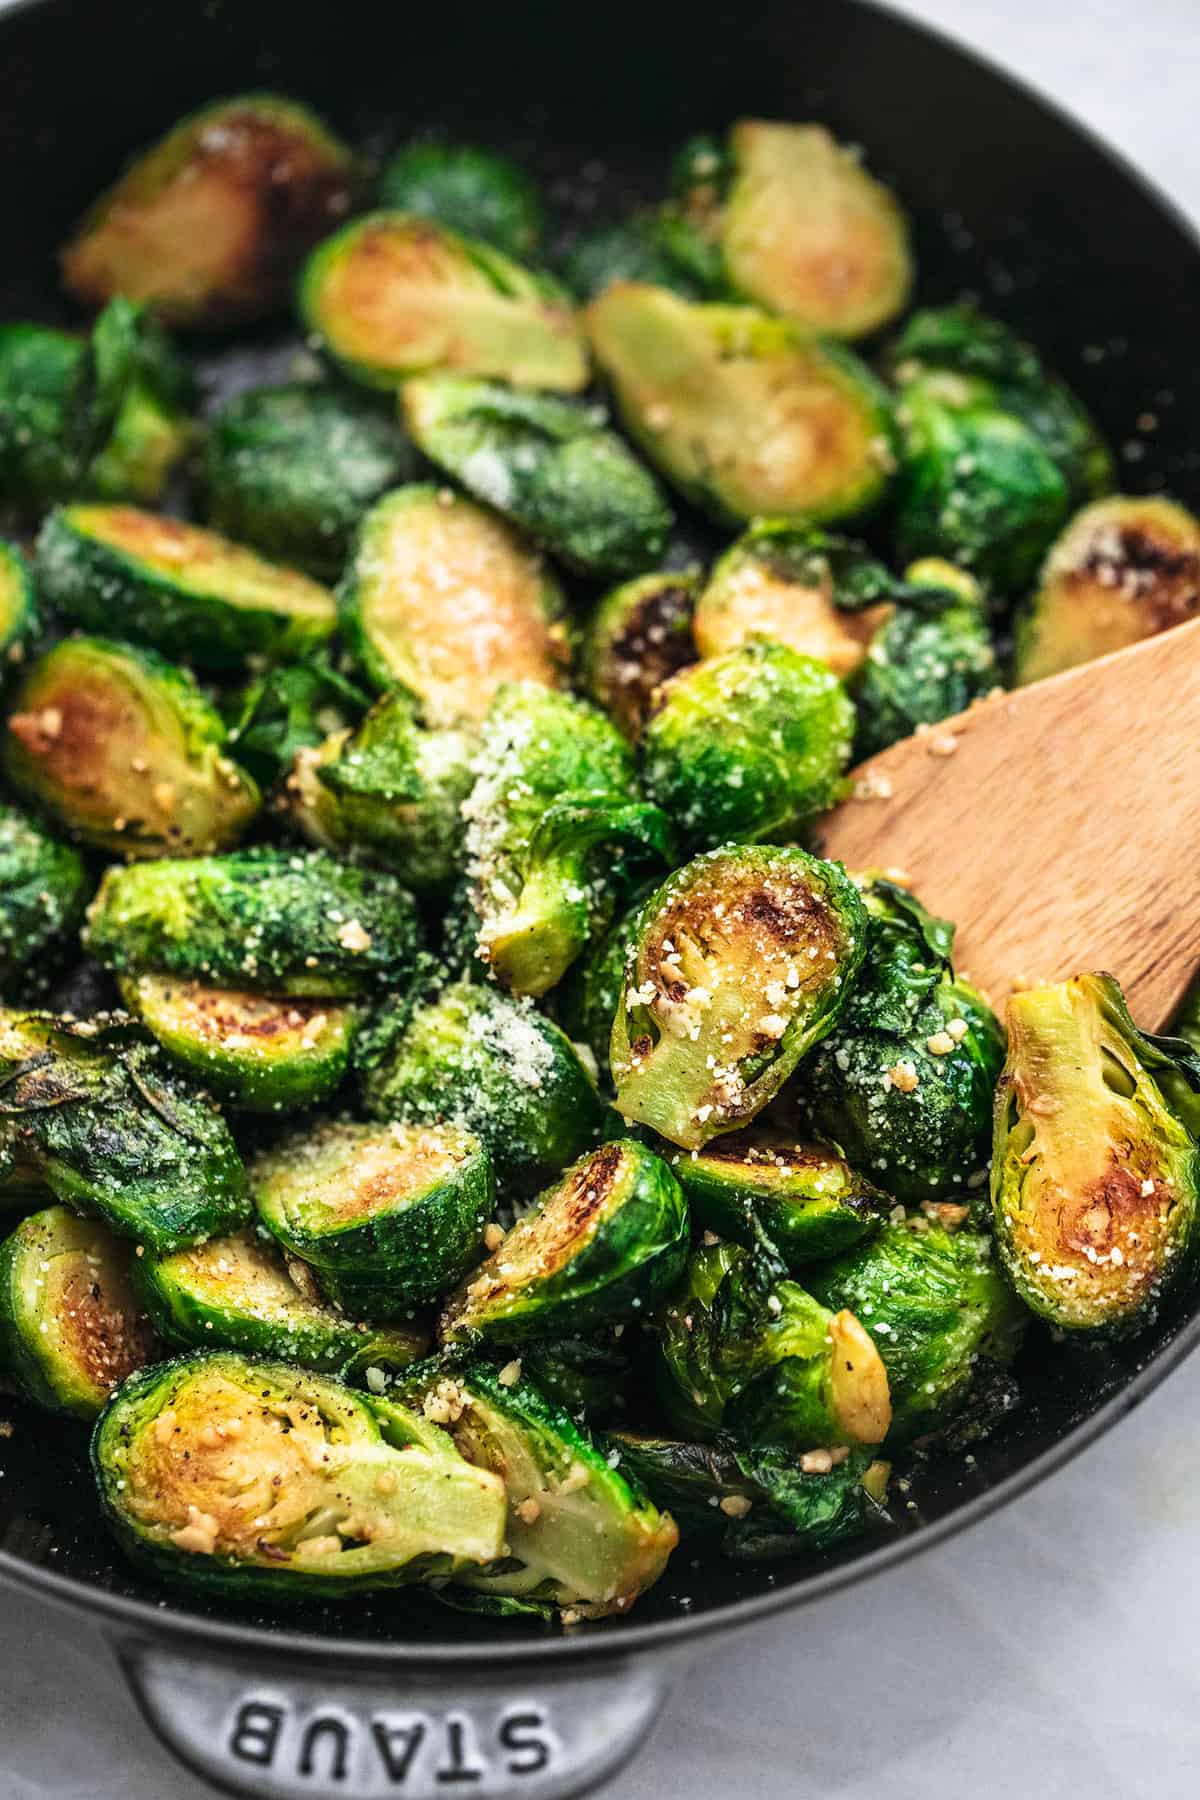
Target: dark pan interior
1010, 200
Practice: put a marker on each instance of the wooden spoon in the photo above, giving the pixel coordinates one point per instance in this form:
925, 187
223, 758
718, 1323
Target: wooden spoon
1058, 825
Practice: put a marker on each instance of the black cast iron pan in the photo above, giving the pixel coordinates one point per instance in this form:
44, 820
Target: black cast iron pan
1012, 201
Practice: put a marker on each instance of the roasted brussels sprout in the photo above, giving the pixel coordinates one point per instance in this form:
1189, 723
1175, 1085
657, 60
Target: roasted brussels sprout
493, 1066
293, 469
639, 635
393, 295
590, 1377
930, 658
743, 412
798, 225
444, 599
741, 963
552, 821
272, 921
242, 1293
245, 1477
251, 1051
904, 1082
586, 1002
71, 1328
749, 745
210, 223
604, 1242
807, 1199
185, 591
45, 433
293, 707
387, 1215
638, 249
140, 398
1123, 570
1095, 1172
580, 1535
91, 1113
123, 750
477, 193
938, 1309
550, 465
43, 890
19, 622
742, 1350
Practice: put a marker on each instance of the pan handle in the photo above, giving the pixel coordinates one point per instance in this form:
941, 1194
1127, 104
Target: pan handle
292, 1730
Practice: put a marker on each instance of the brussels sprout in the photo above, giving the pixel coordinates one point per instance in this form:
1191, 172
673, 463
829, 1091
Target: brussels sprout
210, 223
293, 469
444, 599
931, 657
391, 790
590, 1377
550, 465
19, 622
242, 1293
245, 1477
1095, 1172
820, 595
293, 707
638, 249
807, 1199
605, 1242
741, 1350
387, 1215
638, 637
903, 1084
749, 745
43, 890
45, 380
553, 820
272, 921
800, 226
71, 1329
1123, 570
91, 1113
938, 1309
743, 412
186, 591
477, 193
393, 295
123, 749
580, 1535
741, 964
140, 398
252, 1052
586, 1003
493, 1066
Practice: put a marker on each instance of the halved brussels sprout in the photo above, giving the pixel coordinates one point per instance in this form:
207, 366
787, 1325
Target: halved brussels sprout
444, 599
741, 963
242, 1293
550, 465
605, 1242
744, 413
245, 1477
478, 193
586, 1003
807, 1198
188, 592
640, 248
139, 404
272, 921
293, 469
19, 622
1123, 570
251, 1051
939, 1310
393, 295
741, 1350
749, 745
552, 820
391, 790
580, 1534
820, 595
43, 890
387, 1215
1095, 1172
293, 707
123, 749
931, 657
45, 436
639, 635
903, 1084
71, 1327
92, 1113
210, 223
495, 1067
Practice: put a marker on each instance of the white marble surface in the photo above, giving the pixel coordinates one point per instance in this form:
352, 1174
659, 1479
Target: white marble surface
1049, 1652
